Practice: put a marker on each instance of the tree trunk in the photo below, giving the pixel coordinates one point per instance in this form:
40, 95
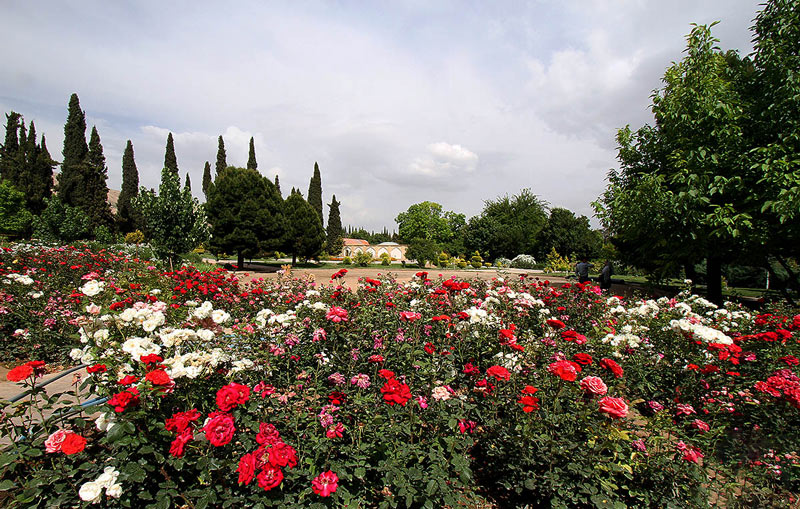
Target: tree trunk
688, 269
240, 260
714, 279
294, 259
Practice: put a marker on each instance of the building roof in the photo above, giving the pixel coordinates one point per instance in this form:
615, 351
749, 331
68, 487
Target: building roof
355, 242
388, 244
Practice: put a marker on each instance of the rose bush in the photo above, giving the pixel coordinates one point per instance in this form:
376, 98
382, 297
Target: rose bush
425, 394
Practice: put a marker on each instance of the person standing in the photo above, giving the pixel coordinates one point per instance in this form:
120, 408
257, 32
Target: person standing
605, 276
582, 270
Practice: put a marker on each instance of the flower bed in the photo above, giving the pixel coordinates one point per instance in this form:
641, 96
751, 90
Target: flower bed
426, 394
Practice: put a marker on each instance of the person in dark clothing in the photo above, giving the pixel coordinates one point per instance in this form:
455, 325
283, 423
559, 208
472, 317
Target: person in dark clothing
605, 276
582, 270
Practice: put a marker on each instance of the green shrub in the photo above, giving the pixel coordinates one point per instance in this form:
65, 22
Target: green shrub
134, 237
362, 259
502, 263
476, 261
104, 235
386, 259
523, 261
347, 261
60, 223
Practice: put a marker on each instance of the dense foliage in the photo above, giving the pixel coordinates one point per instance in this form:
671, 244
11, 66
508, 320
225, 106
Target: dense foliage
425, 394
128, 218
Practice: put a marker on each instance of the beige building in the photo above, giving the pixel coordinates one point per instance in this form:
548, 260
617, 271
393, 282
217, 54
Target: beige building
393, 249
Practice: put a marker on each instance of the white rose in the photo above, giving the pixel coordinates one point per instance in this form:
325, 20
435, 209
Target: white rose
205, 334
105, 422
92, 288
115, 490
75, 354
220, 316
91, 492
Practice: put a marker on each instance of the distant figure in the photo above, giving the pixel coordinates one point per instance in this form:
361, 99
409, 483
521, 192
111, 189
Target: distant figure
582, 270
605, 276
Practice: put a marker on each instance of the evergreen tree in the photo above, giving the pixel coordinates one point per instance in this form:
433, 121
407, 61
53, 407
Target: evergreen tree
245, 213
206, 179
334, 233
41, 178
221, 162
315, 192
71, 185
96, 190
9, 150
187, 185
278, 186
306, 236
170, 161
251, 160
126, 214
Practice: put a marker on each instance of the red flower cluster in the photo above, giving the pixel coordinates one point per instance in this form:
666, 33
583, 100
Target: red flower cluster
180, 423
395, 392
612, 366
529, 403
566, 370
231, 395
26, 370
499, 373
124, 399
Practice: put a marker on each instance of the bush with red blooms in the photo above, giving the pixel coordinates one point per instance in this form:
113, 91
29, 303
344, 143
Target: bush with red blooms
435, 392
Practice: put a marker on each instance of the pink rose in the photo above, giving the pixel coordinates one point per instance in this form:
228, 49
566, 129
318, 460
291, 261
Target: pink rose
336, 314
614, 407
54, 441
325, 484
594, 385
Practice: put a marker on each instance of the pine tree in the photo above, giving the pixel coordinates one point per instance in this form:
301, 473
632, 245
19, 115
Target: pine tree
170, 161
251, 160
96, 190
8, 152
315, 192
127, 216
221, 162
278, 186
334, 233
41, 177
71, 185
206, 179
306, 236
187, 185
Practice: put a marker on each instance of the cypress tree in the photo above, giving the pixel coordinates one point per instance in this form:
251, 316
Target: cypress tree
187, 185
206, 179
71, 183
334, 233
306, 235
315, 192
221, 163
251, 159
41, 178
9, 150
126, 215
278, 186
170, 161
96, 189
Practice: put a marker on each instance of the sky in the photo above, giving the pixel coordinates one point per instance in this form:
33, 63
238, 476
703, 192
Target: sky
456, 102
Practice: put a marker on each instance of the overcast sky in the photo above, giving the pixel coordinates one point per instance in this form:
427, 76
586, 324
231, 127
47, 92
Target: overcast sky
404, 101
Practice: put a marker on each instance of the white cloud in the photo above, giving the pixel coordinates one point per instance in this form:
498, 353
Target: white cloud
443, 161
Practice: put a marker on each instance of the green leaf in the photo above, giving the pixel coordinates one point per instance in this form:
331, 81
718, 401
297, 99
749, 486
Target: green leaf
6, 485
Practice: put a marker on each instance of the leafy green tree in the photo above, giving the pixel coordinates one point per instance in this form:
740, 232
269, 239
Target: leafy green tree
71, 181
567, 233
427, 220
170, 160
695, 155
334, 230
96, 190
305, 233
252, 164
315, 192
207, 181
174, 221
15, 219
127, 216
245, 213
507, 226
423, 250
60, 222
221, 158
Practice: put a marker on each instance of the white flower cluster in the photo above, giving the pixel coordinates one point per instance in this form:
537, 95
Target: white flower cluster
92, 491
700, 331
174, 337
206, 310
149, 316
92, 287
267, 316
194, 364
19, 278
626, 338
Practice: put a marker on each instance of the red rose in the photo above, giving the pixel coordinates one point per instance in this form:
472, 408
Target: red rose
19, 373
180, 421
594, 385
183, 438
267, 434
556, 324
282, 455
385, 373
231, 395
158, 377
270, 477
128, 380
220, 429
325, 483
614, 407
124, 399
429, 348
528, 402
151, 358
582, 358
247, 468
337, 397
396, 392
499, 373
73, 443
566, 370
612, 366
97, 368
